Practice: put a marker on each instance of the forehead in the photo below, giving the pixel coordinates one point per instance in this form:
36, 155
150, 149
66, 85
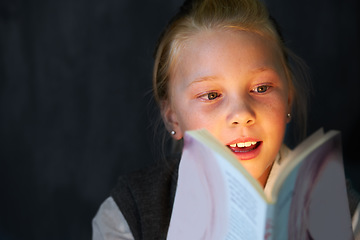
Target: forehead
205, 51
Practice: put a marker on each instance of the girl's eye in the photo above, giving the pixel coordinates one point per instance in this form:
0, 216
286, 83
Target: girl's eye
261, 89
210, 96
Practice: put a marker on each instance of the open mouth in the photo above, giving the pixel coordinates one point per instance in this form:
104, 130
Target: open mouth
244, 147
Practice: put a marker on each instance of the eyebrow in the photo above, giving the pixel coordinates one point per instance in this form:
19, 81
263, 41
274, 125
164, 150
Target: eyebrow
202, 79
262, 69
213, 78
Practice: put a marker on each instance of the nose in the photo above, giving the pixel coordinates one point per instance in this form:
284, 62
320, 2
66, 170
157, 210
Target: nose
241, 113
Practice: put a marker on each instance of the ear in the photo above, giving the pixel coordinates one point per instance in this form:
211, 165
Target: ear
170, 119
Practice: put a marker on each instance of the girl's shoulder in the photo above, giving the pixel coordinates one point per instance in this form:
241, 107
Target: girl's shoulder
109, 221
137, 199
146, 197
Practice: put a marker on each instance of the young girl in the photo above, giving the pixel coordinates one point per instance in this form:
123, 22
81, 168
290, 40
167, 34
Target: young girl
219, 65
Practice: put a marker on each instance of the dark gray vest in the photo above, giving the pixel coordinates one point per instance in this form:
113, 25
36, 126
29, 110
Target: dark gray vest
146, 198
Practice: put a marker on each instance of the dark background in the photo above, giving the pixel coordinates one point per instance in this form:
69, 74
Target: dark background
75, 77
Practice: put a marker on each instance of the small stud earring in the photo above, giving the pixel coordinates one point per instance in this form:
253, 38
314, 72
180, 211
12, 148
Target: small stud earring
289, 115
173, 132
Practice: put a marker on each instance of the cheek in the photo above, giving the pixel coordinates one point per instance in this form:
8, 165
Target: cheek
191, 118
279, 103
274, 112
275, 109
187, 117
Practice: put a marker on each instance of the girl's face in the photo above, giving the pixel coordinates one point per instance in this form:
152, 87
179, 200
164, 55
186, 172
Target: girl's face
232, 84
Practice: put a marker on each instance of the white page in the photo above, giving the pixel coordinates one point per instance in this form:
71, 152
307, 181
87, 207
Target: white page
204, 205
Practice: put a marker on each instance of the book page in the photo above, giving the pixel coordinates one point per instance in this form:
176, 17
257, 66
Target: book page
293, 159
246, 210
283, 204
213, 200
312, 202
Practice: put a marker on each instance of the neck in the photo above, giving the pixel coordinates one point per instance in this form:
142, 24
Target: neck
264, 177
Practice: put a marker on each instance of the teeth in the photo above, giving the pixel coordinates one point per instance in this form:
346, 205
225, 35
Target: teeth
243, 144
240, 144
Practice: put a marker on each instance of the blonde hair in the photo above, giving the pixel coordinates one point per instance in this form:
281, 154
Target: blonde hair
239, 15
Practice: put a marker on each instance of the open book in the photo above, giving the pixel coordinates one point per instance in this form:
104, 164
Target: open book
216, 198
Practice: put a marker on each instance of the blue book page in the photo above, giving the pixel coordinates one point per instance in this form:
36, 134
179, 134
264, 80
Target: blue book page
312, 201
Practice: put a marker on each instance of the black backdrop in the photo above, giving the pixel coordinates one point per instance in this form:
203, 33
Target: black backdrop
75, 77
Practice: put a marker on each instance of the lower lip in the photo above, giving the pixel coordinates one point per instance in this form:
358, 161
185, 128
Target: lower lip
248, 155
